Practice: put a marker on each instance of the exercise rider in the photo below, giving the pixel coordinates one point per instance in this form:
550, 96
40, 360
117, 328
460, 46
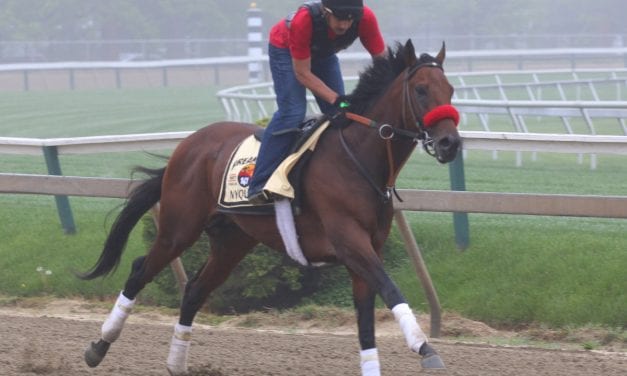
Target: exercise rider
302, 53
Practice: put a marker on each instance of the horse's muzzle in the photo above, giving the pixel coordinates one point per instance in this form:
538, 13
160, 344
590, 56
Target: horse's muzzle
446, 148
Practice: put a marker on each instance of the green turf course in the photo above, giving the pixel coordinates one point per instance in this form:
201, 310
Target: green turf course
518, 269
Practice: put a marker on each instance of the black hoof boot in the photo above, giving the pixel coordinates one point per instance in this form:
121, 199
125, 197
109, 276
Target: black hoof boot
96, 352
430, 358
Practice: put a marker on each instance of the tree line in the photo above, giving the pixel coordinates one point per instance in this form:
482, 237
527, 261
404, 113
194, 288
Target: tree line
67, 20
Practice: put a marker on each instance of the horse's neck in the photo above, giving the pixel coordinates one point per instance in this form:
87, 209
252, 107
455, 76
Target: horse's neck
366, 143
372, 150
384, 113
389, 110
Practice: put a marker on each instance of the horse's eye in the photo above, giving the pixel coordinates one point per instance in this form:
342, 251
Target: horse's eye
421, 91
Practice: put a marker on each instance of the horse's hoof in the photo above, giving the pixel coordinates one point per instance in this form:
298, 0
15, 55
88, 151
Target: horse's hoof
96, 352
430, 358
177, 371
432, 362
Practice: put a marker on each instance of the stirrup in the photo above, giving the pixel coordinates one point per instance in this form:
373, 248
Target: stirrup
259, 198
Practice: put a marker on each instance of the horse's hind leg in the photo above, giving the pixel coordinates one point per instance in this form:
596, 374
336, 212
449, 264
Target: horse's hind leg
229, 245
112, 327
180, 226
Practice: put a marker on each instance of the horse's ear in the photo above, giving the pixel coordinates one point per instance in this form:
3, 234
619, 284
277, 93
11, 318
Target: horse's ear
441, 54
410, 53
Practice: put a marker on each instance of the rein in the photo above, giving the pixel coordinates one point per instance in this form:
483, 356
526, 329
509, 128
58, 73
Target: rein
388, 132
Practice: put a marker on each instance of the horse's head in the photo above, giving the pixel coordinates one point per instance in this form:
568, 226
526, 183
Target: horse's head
426, 103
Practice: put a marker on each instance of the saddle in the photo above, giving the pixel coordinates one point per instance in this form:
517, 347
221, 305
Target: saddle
304, 131
285, 181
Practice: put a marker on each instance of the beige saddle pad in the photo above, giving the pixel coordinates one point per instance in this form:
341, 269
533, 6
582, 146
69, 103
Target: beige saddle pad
241, 166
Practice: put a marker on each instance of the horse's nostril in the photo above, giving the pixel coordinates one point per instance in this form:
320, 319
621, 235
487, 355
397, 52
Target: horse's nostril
448, 142
447, 148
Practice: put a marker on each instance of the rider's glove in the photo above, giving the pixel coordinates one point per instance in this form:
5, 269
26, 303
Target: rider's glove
340, 106
342, 102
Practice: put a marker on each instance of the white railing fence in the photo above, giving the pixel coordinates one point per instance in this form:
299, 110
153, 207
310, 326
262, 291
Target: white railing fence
51, 149
233, 69
472, 140
511, 101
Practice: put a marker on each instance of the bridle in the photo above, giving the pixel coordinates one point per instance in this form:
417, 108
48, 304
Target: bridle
388, 132
427, 141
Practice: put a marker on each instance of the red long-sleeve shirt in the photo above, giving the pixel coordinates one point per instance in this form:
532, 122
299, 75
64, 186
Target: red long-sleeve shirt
298, 36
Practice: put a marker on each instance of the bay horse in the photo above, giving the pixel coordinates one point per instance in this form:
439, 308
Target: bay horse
346, 210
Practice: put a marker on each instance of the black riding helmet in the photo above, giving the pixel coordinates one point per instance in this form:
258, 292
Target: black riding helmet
345, 9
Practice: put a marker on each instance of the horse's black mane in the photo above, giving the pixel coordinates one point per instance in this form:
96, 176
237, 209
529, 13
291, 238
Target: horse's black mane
374, 81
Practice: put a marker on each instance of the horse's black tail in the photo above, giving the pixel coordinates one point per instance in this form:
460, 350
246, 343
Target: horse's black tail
141, 199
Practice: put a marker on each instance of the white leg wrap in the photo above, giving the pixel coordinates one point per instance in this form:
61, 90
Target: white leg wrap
370, 362
414, 336
287, 229
179, 350
112, 327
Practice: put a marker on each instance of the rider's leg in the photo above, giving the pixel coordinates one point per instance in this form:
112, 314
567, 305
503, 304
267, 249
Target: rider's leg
292, 106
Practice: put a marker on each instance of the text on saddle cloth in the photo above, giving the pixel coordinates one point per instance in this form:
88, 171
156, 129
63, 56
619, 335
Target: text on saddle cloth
241, 166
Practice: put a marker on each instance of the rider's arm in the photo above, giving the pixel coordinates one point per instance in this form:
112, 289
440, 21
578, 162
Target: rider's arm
302, 70
370, 34
300, 34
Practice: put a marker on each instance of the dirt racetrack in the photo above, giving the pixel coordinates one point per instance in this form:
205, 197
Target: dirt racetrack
44, 342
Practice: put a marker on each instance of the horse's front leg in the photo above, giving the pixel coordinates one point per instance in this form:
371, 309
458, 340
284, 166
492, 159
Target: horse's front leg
361, 259
363, 298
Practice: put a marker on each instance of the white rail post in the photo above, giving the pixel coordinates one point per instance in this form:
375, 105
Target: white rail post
255, 38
